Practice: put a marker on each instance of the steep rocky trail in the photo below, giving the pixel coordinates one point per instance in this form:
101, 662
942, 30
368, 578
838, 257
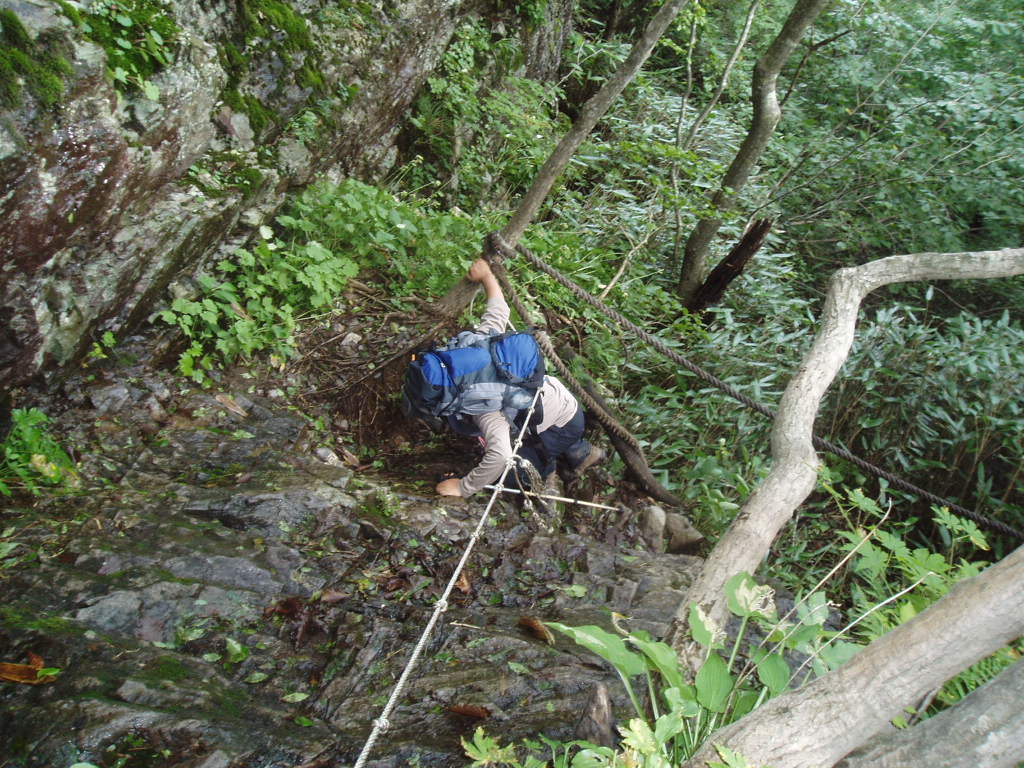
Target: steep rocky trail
234, 595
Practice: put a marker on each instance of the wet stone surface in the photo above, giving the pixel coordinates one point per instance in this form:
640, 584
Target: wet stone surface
221, 569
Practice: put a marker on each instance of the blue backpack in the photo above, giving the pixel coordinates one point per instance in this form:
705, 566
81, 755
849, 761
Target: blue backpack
474, 374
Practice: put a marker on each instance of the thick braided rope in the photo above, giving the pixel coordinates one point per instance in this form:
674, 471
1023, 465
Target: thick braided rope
503, 248
381, 724
544, 342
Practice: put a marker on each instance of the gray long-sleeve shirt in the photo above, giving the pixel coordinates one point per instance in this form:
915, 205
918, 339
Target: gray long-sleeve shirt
557, 402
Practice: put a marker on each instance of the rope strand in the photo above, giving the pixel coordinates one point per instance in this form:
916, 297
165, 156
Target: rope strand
382, 723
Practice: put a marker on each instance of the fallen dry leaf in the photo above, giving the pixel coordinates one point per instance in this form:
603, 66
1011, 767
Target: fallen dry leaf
348, 457
333, 596
470, 710
229, 402
463, 584
536, 628
25, 673
289, 607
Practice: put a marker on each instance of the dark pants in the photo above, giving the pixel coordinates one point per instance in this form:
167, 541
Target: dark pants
566, 443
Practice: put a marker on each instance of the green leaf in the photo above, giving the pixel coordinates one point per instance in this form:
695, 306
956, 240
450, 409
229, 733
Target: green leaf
609, 647
593, 757
773, 671
683, 700
295, 698
714, 683
237, 652
747, 598
7, 547
211, 657
704, 630
667, 726
663, 657
638, 735
304, 721
862, 502
813, 610
838, 653
519, 669
732, 759
256, 677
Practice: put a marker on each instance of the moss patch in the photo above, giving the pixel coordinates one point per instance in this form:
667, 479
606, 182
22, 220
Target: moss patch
25, 63
268, 26
51, 626
166, 668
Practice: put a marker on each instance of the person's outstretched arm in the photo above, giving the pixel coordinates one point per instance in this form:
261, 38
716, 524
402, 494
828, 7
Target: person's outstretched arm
496, 433
493, 425
496, 315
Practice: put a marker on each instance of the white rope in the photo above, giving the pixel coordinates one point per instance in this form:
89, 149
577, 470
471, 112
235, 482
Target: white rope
382, 723
552, 498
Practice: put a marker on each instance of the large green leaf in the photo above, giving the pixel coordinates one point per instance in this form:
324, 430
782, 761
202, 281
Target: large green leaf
773, 671
714, 683
663, 657
609, 647
748, 598
704, 629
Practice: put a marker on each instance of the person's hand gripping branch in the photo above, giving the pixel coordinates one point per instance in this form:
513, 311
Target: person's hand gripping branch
480, 272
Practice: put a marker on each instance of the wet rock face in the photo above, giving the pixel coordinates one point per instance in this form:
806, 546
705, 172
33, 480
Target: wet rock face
97, 207
228, 600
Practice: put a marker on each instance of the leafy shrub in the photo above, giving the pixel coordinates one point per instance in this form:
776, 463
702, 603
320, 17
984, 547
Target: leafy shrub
887, 567
483, 130
30, 458
675, 718
253, 301
250, 302
416, 248
139, 37
939, 400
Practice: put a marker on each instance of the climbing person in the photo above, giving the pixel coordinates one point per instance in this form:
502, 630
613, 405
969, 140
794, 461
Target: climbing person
555, 433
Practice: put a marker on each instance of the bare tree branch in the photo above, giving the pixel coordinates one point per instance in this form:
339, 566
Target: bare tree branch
986, 728
820, 723
795, 463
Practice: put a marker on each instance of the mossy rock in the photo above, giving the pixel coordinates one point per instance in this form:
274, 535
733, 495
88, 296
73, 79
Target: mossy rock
36, 64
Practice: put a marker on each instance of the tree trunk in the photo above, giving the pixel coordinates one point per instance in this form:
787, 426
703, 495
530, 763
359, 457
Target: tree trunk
986, 728
795, 463
731, 267
820, 723
456, 300
723, 81
635, 462
764, 96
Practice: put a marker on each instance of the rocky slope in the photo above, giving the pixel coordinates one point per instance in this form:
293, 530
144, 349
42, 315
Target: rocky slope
228, 593
128, 155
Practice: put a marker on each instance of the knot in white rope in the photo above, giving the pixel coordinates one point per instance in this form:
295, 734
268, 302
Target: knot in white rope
441, 606
382, 724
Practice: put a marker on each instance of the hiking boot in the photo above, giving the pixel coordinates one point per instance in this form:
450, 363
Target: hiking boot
595, 456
